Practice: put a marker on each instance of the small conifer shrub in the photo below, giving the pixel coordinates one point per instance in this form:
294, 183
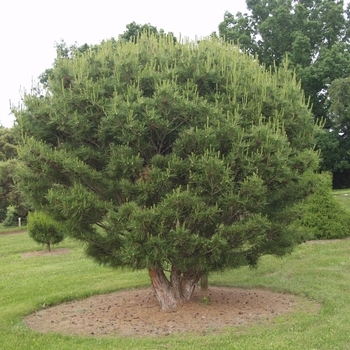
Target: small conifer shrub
44, 230
323, 217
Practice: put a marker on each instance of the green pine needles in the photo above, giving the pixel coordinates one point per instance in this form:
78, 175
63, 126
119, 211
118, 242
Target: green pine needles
324, 217
43, 229
187, 157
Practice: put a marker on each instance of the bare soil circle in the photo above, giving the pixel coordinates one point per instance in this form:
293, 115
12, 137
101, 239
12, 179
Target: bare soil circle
136, 313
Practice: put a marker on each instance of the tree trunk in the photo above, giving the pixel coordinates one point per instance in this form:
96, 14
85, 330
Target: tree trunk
164, 292
179, 289
204, 282
184, 283
49, 247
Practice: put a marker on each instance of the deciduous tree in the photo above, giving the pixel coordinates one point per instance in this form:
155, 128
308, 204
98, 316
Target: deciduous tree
314, 35
339, 112
9, 194
134, 30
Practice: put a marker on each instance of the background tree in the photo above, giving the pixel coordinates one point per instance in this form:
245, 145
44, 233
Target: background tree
12, 203
339, 112
11, 217
315, 37
7, 163
134, 30
43, 229
179, 157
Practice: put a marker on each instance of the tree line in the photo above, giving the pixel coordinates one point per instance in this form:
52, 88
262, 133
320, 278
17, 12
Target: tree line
312, 37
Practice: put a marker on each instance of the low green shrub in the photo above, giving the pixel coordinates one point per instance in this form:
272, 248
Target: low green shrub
44, 229
324, 217
12, 215
11, 218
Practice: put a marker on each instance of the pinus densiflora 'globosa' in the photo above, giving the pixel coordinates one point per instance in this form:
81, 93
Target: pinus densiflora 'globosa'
181, 157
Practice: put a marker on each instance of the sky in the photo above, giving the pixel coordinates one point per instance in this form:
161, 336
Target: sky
30, 29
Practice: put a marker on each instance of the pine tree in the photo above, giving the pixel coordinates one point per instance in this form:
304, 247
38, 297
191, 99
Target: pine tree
178, 157
44, 229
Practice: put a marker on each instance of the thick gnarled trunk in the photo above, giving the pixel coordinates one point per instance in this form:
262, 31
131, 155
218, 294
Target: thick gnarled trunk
163, 289
179, 289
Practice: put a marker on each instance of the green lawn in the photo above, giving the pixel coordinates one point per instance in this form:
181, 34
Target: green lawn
343, 197
319, 272
11, 229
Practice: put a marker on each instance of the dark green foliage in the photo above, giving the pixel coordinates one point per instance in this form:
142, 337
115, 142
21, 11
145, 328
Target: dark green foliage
324, 217
9, 194
134, 30
165, 155
6, 185
11, 218
335, 144
8, 142
44, 229
313, 36
339, 93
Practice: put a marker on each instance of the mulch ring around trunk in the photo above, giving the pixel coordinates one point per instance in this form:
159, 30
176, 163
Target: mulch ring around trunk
136, 313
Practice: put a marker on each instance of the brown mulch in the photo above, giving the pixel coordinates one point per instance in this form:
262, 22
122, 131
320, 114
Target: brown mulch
136, 313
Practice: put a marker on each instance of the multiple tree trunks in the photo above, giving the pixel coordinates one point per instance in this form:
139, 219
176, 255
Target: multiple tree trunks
179, 289
198, 162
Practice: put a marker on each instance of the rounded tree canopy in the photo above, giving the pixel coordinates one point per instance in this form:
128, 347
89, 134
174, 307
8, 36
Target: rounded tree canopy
43, 229
160, 154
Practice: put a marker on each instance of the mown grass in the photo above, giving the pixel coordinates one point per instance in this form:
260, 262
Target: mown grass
318, 272
11, 228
